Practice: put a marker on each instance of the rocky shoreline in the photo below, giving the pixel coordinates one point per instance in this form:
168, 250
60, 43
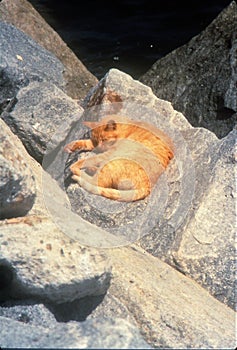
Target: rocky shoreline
80, 273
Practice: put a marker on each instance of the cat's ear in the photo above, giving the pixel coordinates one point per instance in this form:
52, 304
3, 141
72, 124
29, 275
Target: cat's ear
111, 125
90, 125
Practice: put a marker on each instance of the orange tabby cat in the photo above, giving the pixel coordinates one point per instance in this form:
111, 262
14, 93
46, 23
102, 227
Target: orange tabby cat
130, 156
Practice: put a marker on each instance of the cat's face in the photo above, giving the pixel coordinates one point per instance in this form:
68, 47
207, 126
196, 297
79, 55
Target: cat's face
103, 134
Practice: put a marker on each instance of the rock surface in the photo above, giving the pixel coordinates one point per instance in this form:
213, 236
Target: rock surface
31, 314
200, 77
47, 265
24, 61
92, 334
17, 184
206, 249
23, 16
171, 310
36, 258
191, 182
38, 110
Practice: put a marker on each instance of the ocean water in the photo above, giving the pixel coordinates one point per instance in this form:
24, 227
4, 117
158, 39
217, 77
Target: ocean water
128, 35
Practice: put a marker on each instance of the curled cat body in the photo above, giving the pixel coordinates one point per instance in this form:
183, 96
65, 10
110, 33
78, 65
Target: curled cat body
128, 158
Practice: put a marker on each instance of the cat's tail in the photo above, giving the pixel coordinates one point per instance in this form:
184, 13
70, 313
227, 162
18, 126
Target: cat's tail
111, 193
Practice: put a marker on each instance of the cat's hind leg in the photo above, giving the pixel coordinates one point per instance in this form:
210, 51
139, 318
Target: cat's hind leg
90, 184
90, 165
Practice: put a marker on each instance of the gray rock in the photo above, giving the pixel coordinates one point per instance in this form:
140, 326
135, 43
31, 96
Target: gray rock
14, 158
209, 259
206, 249
199, 78
17, 184
170, 309
177, 188
36, 258
24, 61
112, 307
190, 181
231, 93
45, 264
92, 334
37, 112
119, 93
31, 314
22, 15
187, 192
118, 90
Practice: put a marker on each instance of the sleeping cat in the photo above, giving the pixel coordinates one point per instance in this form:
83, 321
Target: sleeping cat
130, 156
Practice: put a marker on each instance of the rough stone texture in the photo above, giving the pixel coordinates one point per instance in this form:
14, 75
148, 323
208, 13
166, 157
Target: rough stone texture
31, 314
190, 178
92, 334
117, 88
37, 112
171, 310
17, 184
23, 61
200, 77
231, 93
38, 206
203, 247
113, 307
36, 259
202, 146
21, 14
47, 265
206, 248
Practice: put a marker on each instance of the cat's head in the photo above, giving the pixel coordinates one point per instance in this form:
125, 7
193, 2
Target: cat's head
103, 134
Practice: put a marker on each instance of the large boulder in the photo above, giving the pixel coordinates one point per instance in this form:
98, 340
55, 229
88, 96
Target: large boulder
45, 264
24, 61
119, 93
61, 270
203, 247
32, 101
171, 310
193, 183
17, 183
206, 248
38, 110
200, 77
23, 16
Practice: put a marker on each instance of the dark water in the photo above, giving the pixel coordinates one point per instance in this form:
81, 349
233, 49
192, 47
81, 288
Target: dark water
128, 35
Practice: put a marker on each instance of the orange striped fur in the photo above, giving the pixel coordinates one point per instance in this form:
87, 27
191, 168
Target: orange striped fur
130, 156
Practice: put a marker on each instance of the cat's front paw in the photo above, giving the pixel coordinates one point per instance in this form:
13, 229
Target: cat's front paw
70, 147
